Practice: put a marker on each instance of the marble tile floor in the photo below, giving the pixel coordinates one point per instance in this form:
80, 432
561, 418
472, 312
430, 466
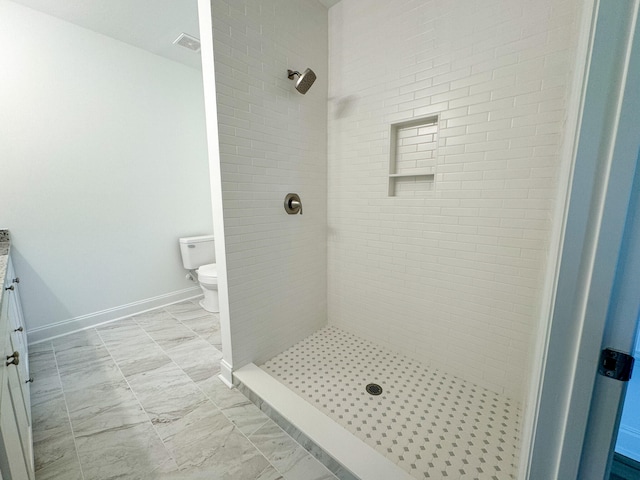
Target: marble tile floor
140, 398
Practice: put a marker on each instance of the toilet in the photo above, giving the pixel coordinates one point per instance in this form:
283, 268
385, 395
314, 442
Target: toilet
198, 254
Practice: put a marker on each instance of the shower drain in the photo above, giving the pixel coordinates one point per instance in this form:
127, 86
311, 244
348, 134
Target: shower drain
373, 389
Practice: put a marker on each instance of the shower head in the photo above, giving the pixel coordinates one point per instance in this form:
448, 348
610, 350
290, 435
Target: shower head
305, 80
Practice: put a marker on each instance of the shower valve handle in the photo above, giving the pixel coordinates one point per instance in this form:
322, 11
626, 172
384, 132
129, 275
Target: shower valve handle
293, 204
296, 205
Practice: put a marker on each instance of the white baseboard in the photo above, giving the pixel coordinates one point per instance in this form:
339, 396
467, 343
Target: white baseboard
65, 327
226, 374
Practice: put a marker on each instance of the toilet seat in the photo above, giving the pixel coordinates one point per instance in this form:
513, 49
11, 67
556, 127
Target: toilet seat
208, 274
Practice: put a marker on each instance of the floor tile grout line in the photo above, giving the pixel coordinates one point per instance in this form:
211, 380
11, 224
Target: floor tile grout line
292, 439
207, 396
66, 406
191, 329
261, 452
112, 357
221, 410
191, 379
133, 317
198, 335
267, 468
137, 400
168, 354
266, 458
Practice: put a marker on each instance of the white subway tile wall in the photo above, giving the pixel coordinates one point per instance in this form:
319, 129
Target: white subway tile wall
412, 186
272, 142
416, 147
452, 278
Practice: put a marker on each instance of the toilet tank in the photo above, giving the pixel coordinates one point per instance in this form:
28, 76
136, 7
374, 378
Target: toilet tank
197, 251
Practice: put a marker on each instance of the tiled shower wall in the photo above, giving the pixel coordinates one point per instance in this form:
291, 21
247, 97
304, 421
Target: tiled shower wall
452, 276
272, 142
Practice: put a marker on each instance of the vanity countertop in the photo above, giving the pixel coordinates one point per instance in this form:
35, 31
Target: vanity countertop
4, 257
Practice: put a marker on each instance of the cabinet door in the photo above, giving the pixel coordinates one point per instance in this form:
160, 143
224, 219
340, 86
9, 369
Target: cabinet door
15, 433
18, 334
21, 406
19, 344
12, 459
17, 405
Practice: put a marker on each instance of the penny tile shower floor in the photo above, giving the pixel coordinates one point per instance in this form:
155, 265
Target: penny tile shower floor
430, 424
140, 399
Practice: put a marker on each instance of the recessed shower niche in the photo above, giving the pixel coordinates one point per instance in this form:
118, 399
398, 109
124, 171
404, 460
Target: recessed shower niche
413, 156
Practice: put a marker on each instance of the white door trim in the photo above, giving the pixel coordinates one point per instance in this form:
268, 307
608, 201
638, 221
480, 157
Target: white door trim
597, 210
215, 176
624, 302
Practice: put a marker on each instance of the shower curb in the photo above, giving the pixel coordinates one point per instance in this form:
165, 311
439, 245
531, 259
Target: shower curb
309, 445
378, 467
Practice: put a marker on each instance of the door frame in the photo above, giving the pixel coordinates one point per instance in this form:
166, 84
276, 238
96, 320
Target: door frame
205, 22
562, 438
624, 303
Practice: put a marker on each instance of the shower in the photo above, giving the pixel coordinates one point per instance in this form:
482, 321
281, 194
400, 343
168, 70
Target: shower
305, 80
428, 292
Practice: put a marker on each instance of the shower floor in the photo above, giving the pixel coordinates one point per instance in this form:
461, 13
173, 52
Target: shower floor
430, 424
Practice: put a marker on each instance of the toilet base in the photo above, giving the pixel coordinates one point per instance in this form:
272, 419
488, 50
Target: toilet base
210, 301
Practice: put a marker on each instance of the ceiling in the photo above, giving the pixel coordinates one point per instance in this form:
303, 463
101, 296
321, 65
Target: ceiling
152, 25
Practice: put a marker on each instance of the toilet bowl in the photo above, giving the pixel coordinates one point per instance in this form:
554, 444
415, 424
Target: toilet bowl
198, 254
208, 279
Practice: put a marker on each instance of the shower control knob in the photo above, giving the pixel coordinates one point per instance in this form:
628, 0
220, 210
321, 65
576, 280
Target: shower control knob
10, 288
19, 329
16, 280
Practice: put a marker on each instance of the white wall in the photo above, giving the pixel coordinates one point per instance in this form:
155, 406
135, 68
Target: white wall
452, 275
272, 142
103, 166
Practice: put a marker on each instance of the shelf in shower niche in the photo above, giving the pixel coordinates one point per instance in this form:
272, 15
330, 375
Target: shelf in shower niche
411, 185
417, 173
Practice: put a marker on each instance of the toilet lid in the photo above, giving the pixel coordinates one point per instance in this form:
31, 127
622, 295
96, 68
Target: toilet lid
208, 272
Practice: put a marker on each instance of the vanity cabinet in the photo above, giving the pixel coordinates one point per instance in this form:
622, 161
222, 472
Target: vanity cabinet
18, 332
16, 443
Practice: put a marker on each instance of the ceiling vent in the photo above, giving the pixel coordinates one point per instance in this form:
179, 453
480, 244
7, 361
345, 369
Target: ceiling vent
187, 41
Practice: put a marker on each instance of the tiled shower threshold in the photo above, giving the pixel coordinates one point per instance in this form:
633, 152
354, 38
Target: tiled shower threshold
341, 452
426, 424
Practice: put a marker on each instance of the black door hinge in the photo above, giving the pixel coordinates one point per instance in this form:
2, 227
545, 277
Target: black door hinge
615, 364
